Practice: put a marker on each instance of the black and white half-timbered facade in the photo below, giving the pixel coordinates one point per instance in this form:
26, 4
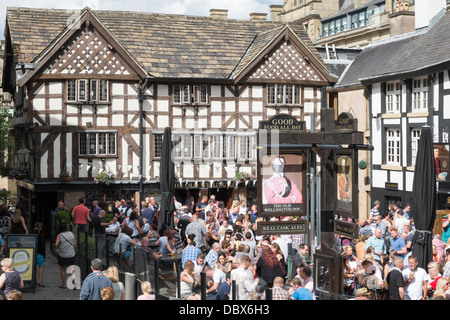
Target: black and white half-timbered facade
407, 85
80, 79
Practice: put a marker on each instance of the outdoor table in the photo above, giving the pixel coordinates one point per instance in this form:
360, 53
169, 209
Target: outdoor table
168, 258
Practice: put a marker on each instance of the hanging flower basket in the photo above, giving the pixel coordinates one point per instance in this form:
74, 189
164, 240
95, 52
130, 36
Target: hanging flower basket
105, 177
241, 177
4, 194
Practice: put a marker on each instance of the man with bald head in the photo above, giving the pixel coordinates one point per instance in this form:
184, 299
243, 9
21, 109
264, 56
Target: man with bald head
377, 242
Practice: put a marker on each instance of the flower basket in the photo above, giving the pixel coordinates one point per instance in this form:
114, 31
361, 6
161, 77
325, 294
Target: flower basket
105, 177
4, 194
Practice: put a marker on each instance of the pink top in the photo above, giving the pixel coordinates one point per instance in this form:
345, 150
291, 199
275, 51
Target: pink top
80, 213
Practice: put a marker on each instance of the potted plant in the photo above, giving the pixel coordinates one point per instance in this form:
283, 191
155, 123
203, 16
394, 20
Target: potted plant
64, 176
4, 195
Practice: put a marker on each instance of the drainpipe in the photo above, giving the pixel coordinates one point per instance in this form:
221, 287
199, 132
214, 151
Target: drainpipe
141, 98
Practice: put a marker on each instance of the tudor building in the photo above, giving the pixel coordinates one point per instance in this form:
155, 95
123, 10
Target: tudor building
406, 82
86, 82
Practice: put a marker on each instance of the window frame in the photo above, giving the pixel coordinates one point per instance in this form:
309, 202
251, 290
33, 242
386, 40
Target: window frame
393, 97
414, 144
419, 94
393, 146
93, 136
96, 91
278, 97
195, 94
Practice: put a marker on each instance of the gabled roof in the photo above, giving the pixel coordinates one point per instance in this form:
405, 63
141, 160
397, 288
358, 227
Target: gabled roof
402, 56
161, 45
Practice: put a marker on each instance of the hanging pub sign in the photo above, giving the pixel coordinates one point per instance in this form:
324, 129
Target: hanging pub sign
442, 161
281, 172
282, 184
348, 229
282, 227
346, 184
283, 122
344, 122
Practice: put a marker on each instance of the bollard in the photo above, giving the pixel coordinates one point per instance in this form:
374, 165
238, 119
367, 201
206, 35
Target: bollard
203, 285
233, 290
130, 286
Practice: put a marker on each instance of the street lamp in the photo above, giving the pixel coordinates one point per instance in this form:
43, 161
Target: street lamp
23, 155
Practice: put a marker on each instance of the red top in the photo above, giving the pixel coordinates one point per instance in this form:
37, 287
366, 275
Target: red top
80, 213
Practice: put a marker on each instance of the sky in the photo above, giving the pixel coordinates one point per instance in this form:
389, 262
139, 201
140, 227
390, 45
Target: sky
237, 9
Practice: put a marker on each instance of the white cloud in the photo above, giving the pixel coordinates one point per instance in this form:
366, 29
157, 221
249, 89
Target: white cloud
237, 9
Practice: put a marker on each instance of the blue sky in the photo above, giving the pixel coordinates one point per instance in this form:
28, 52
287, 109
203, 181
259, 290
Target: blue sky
237, 9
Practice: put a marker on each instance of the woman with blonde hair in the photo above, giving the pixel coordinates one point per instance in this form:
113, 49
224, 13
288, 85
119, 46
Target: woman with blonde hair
119, 290
442, 289
10, 279
187, 282
17, 223
147, 292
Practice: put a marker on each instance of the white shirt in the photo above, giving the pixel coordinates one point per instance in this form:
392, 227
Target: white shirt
244, 283
414, 291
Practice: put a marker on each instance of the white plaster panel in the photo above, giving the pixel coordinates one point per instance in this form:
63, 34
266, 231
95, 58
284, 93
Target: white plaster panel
446, 107
308, 93
256, 120
56, 119
85, 120
204, 170
392, 121
177, 111
163, 90
436, 133
202, 111
117, 88
44, 168
202, 123
257, 106
102, 121
243, 106
244, 93
409, 181
117, 120
215, 91
417, 120
397, 177
229, 106
257, 92
39, 104
57, 156
216, 121
376, 141
163, 105
69, 143
71, 109
133, 105
379, 178
228, 93
72, 121
376, 99
82, 171
55, 104
55, 87
147, 105
188, 170
216, 106
309, 107
163, 121
117, 104
177, 123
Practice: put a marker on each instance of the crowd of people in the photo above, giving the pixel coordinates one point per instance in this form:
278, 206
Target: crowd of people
223, 244
380, 265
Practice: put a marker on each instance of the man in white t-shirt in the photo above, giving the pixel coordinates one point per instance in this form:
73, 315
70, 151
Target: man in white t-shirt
415, 280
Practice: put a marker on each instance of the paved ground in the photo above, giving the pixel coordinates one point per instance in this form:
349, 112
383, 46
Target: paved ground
52, 282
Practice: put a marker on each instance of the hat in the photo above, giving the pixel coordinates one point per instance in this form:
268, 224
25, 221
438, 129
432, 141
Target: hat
302, 294
447, 248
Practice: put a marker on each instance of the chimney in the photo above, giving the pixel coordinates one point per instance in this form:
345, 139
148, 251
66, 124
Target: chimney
427, 11
258, 16
402, 19
275, 12
219, 14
